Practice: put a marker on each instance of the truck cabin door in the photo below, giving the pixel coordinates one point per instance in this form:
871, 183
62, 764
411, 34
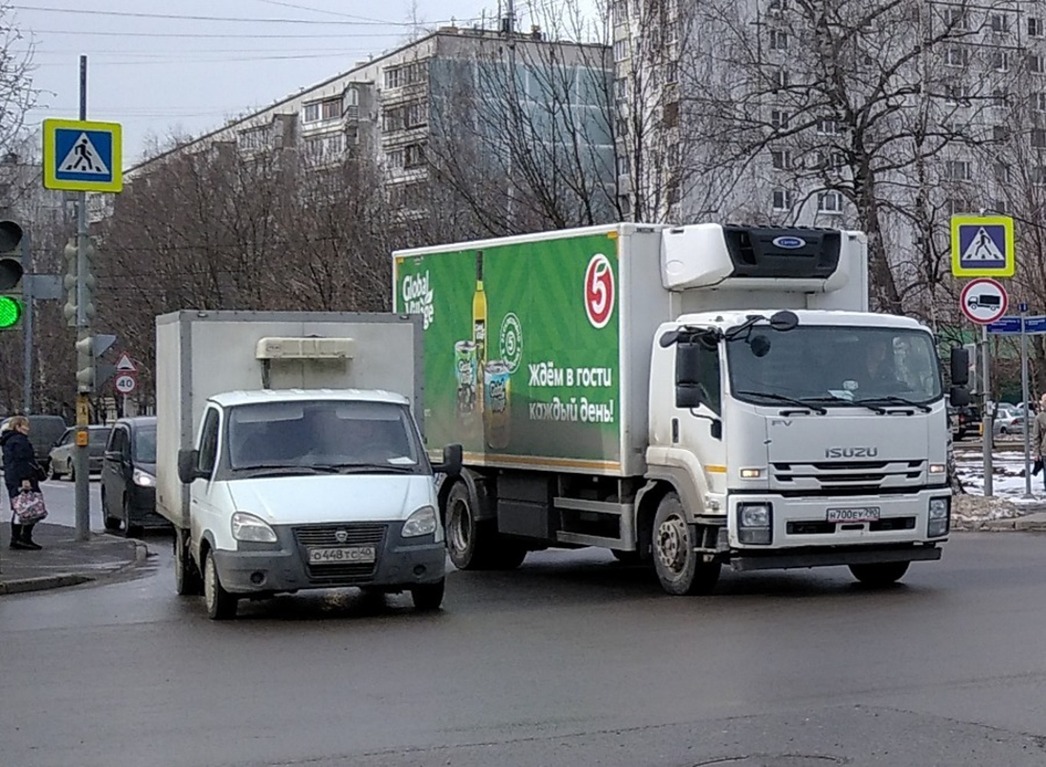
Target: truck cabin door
203, 510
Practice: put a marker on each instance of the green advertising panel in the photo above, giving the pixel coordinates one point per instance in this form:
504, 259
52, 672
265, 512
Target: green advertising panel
521, 349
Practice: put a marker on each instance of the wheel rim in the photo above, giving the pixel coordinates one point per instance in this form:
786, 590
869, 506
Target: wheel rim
459, 535
210, 584
672, 544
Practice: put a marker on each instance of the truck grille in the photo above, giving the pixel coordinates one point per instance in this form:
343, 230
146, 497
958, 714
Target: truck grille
847, 477
340, 573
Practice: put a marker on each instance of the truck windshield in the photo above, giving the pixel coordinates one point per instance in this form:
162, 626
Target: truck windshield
323, 435
833, 365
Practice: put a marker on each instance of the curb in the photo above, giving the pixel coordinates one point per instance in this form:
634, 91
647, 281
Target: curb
42, 583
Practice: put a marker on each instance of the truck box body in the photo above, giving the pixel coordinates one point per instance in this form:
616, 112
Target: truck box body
200, 354
570, 316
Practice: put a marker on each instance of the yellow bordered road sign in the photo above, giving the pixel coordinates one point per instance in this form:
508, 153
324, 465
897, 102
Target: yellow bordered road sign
82, 156
982, 246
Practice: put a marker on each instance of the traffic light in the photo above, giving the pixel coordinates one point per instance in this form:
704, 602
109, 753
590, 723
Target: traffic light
72, 282
11, 271
92, 372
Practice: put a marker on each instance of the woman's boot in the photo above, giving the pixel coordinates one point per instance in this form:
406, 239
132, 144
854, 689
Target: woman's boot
16, 537
27, 538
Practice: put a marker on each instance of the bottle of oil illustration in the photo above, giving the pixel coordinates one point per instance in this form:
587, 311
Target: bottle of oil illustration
479, 322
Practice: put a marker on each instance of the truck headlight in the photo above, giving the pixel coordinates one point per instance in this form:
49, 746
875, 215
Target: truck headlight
421, 522
143, 478
755, 523
939, 518
247, 527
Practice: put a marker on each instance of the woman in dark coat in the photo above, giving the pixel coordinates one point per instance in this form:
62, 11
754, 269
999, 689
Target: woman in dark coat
21, 472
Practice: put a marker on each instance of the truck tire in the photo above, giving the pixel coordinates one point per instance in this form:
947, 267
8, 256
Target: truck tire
473, 544
880, 574
187, 580
221, 605
678, 566
428, 597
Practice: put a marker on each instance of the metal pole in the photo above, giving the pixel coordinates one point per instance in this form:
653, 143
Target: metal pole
27, 328
986, 418
1024, 396
82, 477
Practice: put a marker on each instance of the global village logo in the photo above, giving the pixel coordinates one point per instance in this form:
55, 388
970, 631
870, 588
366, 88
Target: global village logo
510, 341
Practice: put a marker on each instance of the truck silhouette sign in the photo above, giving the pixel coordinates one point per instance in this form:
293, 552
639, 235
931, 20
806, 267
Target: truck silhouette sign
984, 301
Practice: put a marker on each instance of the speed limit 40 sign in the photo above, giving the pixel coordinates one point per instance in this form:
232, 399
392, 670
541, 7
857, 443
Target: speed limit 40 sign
125, 383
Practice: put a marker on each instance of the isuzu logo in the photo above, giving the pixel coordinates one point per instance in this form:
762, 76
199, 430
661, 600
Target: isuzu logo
341, 536
789, 242
851, 452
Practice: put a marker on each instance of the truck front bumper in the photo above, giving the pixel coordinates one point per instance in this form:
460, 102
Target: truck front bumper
284, 566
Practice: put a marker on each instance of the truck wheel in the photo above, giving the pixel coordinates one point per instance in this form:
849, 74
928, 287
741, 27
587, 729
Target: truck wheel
187, 580
112, 524
427, 597
882, 574
474, 544
221, 605
678, 566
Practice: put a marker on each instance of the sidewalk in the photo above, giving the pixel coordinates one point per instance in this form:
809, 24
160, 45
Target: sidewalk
63, 561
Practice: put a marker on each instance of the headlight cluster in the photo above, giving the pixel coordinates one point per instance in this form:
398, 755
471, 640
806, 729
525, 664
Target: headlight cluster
755, 523
247, 527
939, 517
143, 478
421, 522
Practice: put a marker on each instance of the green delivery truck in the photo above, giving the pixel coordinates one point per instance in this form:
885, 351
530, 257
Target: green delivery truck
648, 389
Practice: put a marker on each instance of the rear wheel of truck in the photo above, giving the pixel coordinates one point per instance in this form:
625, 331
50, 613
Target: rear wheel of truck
187, 580
678, 566
221, 605
428, 597
881, 574
474, 544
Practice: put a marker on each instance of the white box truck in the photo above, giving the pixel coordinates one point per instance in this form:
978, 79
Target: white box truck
696, 396
289, 457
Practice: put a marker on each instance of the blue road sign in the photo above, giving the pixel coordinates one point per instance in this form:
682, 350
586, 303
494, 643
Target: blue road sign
982, 246
1011, 326
82, 156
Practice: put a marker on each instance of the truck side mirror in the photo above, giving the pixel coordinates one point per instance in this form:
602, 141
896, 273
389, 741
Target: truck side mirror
188, 463
960, 367
959, 396
452, 461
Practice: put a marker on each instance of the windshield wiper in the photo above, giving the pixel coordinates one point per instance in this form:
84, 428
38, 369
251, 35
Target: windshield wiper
891, 399
803, 403
362, 468
833, 399
269, 469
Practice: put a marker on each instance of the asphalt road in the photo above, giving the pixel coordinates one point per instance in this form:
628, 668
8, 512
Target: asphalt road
573, 659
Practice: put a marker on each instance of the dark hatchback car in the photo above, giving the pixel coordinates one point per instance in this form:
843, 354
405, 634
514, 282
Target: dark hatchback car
129, 477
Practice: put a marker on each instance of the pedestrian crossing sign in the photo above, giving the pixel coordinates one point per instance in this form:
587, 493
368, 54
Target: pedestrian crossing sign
82, 156
982, 246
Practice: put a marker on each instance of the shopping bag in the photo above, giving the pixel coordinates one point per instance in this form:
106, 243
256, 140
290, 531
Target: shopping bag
29, 507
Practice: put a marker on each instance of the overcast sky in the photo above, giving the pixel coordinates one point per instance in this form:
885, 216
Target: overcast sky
161, 67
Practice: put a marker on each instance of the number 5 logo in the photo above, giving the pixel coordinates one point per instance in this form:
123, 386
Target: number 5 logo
599, 291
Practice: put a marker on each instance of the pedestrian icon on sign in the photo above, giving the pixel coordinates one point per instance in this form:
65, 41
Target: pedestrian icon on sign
982, 249
84, 154
84, 158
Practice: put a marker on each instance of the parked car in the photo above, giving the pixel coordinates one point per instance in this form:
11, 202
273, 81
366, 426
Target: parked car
44, 432
129, 477
966, 422
1008, 420
62, 457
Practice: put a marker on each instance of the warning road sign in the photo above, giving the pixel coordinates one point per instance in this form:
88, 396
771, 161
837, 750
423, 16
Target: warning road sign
125, 364
82, 156
982, 246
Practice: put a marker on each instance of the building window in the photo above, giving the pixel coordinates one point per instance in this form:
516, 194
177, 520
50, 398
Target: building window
829, 202
1000, 134
958, 170
777, 7
253, 139
781, 79
1038, 174
405, 74
827, 128
781, 159
956, 56
1038, 101
413, 155
311, 112
622, 166
1001, 61
1000, 97
955, 18
1000, 23
1038, 138
783, 199
957, 207
1036, 64
1002, 173
1034, 27
621, 88
330, 109
955, 93
778, 40
620, 50
779, 119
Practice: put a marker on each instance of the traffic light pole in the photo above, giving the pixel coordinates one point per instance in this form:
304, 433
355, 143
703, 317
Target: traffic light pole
83, 331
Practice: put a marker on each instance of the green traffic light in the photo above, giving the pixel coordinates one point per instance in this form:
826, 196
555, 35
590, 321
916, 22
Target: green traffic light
10, 312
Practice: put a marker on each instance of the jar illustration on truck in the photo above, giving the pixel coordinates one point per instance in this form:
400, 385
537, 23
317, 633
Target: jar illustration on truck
497, 397
466, 370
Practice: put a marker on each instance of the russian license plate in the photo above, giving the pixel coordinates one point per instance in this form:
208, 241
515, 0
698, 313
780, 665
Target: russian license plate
342, 555
854, 514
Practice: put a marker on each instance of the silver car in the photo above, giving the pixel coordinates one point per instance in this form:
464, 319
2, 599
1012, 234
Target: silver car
62, 454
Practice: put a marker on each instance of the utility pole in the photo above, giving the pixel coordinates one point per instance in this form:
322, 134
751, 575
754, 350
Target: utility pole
83, 332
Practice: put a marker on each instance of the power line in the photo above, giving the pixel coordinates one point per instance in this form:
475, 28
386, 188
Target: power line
187, 17
203, 35
315, 10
